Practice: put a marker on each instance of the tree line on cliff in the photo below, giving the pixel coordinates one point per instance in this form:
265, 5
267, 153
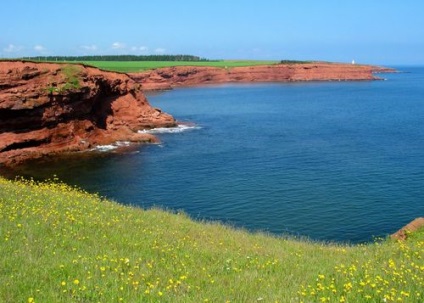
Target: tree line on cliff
294, 61
119, 58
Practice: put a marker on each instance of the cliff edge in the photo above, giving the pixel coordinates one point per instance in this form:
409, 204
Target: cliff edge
403, 233
170, 77
48, 108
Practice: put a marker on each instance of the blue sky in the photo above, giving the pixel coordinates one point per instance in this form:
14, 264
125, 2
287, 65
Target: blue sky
389, 32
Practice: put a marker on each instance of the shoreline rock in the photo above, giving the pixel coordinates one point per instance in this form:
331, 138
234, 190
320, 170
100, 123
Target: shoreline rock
402, 234
48, 108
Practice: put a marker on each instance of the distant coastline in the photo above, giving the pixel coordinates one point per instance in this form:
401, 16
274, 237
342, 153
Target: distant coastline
178, 76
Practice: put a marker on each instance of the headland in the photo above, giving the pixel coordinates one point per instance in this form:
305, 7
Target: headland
178, 76
51, 108
48, 108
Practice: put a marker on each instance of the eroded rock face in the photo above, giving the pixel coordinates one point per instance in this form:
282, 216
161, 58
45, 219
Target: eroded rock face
167, 78
53, 108
402, 234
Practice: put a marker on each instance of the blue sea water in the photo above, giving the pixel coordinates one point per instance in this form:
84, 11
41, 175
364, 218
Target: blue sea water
333, 161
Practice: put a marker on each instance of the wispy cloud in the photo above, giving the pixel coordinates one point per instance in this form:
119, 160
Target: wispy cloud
11, 48
160, 50
118, 45
139, 49
39, 48
91, 48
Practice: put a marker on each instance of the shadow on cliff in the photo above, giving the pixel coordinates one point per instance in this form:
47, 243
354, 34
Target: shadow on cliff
101, 107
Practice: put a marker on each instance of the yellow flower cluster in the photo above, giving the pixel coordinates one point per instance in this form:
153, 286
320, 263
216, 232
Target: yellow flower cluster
398, 277
60, 244
77, 227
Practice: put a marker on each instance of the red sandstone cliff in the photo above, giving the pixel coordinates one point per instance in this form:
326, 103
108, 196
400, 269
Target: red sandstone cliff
52, 108
167, 78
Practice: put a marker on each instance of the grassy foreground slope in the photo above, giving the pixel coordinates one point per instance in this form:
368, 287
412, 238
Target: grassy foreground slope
138, 66
60, 244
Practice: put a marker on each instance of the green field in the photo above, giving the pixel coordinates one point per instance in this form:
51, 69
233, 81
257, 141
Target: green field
60, 244
137, 66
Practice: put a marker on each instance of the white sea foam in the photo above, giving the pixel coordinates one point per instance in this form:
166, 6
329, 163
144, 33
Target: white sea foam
105, 148
169, 130
160, 130
109, 147
122, 143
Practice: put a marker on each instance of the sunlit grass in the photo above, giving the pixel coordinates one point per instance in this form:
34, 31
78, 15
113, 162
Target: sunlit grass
137, 66
60, 244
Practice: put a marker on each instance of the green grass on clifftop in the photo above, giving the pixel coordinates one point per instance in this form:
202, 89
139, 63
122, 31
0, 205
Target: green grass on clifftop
139, 66
60, 244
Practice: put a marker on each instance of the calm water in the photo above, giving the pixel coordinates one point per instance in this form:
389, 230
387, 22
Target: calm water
338, 161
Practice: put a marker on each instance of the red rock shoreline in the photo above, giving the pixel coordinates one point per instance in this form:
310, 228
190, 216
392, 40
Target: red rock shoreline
48, 108
171, 77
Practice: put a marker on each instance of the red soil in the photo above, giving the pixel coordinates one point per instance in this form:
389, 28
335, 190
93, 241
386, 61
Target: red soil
403, 233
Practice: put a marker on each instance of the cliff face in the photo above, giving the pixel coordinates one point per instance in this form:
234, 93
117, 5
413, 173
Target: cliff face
53, 108
167, 78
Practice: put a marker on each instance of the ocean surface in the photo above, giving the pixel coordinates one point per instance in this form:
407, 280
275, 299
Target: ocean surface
332, 161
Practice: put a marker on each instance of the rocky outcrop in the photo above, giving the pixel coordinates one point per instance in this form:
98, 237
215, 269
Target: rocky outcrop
403, 233
170, 77
54, 108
